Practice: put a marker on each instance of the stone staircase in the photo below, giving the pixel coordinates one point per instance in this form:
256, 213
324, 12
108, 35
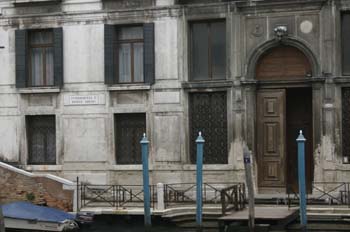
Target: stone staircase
185, 217
40, 189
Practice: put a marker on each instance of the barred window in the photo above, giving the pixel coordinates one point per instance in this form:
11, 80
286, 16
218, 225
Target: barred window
39, 57
129, 129
41, 135
346, 122
208, 114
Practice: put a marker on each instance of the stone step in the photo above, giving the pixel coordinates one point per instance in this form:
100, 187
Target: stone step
191, 210
192, 224
329, 210
191, 217
317, 226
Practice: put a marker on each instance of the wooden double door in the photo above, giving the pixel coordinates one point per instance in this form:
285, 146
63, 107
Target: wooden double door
281, 113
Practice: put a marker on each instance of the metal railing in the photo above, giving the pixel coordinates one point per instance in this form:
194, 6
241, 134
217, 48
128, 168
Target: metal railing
113, 195
324, 193
233, 198
185, 193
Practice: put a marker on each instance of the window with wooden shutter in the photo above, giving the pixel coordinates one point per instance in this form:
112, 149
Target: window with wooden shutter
345, 29
41, 136
39, 58
129, 54
208, 50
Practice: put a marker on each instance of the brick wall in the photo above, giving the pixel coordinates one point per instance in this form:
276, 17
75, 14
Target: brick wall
38, 190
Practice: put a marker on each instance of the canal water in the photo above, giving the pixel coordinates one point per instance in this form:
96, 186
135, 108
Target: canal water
115, 223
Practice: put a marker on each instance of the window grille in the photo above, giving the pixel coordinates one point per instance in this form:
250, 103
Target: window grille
346, 121
129, 129
208, 114
41, 132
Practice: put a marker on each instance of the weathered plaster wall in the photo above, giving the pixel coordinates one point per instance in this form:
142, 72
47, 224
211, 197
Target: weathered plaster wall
85, 134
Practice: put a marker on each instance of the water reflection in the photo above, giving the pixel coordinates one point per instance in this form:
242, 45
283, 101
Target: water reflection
117, 223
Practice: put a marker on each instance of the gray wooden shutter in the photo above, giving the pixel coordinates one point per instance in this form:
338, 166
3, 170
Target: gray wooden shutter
109, 54
345, 43
21, 41
58, 56
148, 52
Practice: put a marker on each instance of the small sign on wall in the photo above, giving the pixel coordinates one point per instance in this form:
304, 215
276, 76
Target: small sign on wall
84, 100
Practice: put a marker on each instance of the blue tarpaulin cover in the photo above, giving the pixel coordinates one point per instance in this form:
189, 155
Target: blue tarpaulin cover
28, 211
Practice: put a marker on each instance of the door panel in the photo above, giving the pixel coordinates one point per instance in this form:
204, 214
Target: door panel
271, 137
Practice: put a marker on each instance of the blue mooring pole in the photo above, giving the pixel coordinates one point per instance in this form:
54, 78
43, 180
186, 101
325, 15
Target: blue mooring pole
200, 145
146, 194
301, 174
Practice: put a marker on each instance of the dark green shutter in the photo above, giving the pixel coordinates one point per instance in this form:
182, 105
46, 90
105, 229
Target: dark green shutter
345, 43
109, 54
21, 57
148, 52
58, 56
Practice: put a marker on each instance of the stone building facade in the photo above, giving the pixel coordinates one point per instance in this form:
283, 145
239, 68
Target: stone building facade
81, 81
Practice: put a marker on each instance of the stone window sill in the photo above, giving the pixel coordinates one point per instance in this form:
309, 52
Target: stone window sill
128, 87
207, 84
39, 90
43, 167
18, 2
127, 167
210, 167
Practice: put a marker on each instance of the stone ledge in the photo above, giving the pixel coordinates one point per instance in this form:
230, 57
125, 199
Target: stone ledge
39, 90
128, 87
18, 2
207, 84
126, 167
25, 173
35, 168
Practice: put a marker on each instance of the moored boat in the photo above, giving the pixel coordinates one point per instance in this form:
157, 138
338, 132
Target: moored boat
27, 216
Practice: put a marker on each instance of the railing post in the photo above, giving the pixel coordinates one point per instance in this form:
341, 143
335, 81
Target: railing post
223, 202
77, 195
236, 197
82, 197
200, 145
301, 174
160, 196
146, 194
347, 194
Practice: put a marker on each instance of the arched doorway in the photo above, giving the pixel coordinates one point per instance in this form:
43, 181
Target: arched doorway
284, 106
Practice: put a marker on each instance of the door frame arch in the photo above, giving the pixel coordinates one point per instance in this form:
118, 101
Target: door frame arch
257, 53
250, 86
